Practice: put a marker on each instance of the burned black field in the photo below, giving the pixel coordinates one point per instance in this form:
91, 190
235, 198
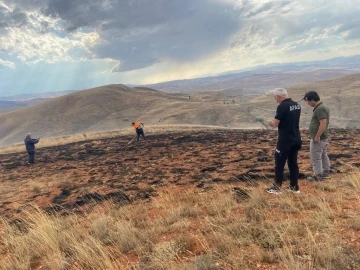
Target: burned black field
76, 176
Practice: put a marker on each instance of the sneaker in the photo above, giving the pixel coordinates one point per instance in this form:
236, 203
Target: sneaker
326, 174
317, 177
290, 189
273, 190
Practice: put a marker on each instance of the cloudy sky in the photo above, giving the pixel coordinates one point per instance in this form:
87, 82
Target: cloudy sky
54, 45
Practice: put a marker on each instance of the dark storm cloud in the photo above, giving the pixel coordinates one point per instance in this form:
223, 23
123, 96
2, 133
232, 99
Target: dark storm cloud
140, 33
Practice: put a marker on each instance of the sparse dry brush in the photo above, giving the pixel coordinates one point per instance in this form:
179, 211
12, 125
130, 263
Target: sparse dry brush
183, 228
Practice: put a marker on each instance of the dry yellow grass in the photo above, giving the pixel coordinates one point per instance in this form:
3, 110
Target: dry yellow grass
187, 228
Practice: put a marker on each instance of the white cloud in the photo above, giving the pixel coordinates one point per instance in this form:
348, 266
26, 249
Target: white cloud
7, 64
30, 47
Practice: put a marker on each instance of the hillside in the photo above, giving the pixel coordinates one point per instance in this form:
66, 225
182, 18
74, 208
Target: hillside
114, 107
109, 107
185, 200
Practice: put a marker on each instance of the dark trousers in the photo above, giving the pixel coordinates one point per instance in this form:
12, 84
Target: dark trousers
287, 152
31, 157
139, 132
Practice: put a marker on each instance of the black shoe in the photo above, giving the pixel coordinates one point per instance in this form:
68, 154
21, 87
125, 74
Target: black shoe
293, 190
273, 190
317, 177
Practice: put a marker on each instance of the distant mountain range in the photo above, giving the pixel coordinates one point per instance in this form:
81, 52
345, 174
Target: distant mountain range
6, 106
349, 62
15, 102
265, 77
27, 97
251, 82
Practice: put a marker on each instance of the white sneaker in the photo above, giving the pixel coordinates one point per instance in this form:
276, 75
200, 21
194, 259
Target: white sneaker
273, 190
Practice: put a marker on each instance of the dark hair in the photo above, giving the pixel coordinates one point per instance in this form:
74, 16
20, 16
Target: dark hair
311, 96
133, 123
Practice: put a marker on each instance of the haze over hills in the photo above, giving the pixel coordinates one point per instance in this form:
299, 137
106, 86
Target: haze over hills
114, 107
26, 97
6, 106
349, 62
11, 103
261, 78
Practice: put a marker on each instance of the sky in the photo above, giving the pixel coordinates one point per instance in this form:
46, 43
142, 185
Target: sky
56, 45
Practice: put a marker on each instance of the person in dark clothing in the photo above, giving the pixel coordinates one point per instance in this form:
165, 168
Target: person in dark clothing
289, 142
30, 147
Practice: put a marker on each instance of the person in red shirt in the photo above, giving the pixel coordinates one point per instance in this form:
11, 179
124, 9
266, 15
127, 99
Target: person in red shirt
139, 130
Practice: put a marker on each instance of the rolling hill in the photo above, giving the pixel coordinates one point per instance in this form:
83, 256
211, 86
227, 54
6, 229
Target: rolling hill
114, 107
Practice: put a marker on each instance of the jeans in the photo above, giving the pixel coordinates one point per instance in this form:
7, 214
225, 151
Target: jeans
319, 156
140, 131
31, 157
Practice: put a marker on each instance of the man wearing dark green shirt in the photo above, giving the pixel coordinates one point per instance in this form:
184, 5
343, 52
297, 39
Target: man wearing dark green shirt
319, 136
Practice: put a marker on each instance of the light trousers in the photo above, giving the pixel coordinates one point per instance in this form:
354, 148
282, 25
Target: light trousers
319, 156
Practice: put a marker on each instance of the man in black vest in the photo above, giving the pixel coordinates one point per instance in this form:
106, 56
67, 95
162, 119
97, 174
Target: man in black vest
30, 147
289, 141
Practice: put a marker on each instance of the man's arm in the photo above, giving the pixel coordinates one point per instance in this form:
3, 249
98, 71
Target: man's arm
278, 116
321, 129
274, 123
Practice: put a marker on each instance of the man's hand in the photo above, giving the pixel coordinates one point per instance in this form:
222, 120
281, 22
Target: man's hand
316, 139
274, 123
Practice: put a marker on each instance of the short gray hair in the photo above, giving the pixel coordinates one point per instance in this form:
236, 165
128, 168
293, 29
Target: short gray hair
280, 92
